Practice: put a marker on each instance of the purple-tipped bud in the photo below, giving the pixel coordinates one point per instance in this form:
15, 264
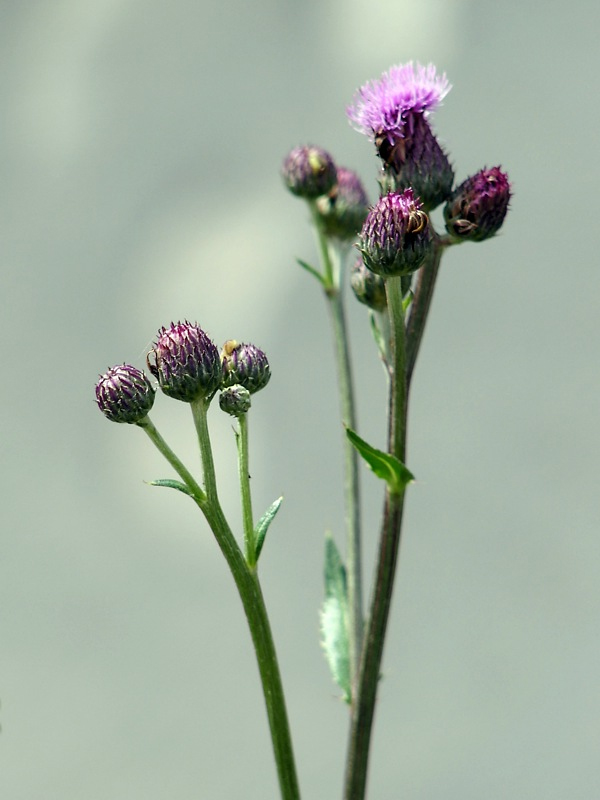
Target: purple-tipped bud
124, 394
235, 400
478, 206
185, 362
396, 237
309, 172
344, 208
245, 364
368, 287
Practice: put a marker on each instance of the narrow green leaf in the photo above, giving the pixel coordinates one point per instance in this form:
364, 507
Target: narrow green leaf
171, 484
407, 300
334, 618
262, 526
386, 466
314, 272
377, 335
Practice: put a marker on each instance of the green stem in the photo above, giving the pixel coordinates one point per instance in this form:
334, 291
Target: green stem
149, 428
248, 586
200, 415
372, 653
351, 485
247, 582
421, 303
243, 464
332, 258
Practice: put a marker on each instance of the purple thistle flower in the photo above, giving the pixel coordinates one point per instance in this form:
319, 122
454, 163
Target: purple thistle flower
396, 237
343, 210
382, 107
244, 364
185, 362
308, 172
393, 112
124, 394
477, 208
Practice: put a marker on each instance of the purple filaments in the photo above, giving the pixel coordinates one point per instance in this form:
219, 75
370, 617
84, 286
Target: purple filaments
383, 107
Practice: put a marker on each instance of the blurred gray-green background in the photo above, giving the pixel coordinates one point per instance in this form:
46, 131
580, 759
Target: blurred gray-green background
139, 181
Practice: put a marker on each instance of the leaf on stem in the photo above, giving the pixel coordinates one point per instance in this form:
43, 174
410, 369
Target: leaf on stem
378, 336
385, 465
334, 618
172, 484
314, 272
262, 526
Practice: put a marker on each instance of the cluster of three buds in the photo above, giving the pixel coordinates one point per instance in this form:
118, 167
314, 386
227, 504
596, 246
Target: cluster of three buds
188, 367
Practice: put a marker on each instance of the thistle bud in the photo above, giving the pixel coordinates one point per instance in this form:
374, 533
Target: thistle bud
368, 287
396, 237
185, 362
235, 400
477, 208
344, 208
244, 364
124, 394
309, 172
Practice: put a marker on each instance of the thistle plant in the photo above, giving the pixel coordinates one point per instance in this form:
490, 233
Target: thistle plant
390, 253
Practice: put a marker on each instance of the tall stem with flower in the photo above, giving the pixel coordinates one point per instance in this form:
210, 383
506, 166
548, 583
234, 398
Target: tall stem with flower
397, 244
396, 240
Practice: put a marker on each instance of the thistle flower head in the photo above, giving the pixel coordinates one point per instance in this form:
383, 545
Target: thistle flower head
343, 210
244, 364
368, 287
185, 362
383, 108
309, 172
235, 400
396, 236
124, 394
477, 208
393, 112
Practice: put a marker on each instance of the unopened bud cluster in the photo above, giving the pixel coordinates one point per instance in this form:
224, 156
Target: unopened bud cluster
188, 367
340, 200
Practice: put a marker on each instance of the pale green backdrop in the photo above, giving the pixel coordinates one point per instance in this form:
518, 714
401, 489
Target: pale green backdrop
140, 147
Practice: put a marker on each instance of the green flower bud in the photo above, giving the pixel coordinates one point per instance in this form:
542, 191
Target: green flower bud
235, 400
368, 287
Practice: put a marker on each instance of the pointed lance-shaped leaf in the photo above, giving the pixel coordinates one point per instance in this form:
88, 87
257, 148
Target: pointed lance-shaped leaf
262, 526
334, 618
172, 484
385, 465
